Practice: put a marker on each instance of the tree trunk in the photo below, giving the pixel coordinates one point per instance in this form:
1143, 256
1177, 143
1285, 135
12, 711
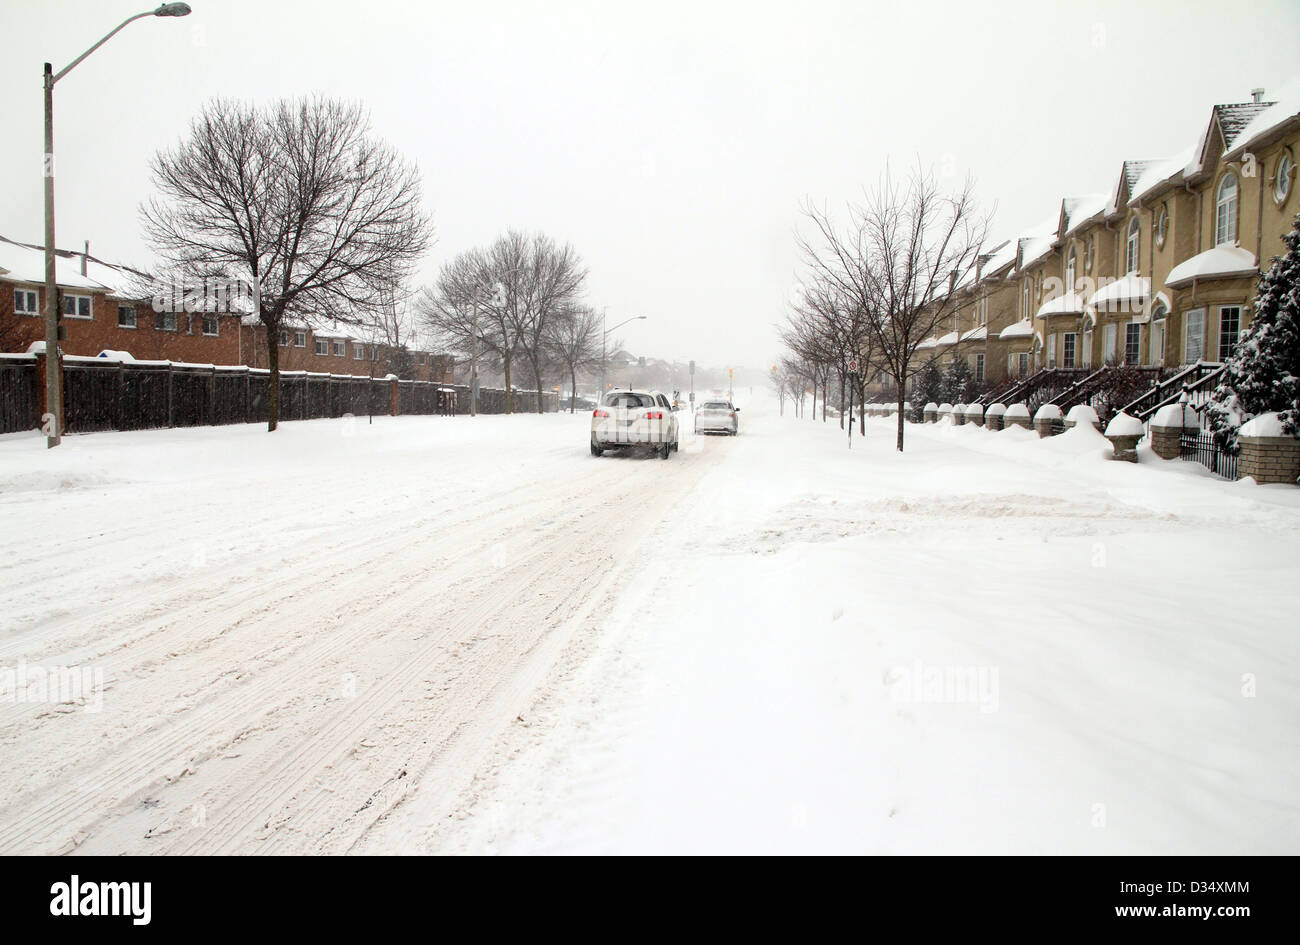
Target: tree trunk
862, 406
273, 388
842, 401
537, 373
573, 389
901, 381
509, 399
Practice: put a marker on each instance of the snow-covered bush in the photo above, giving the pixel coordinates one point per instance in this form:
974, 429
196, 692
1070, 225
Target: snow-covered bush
1263, 374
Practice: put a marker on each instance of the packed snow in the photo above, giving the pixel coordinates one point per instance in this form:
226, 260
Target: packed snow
450, 634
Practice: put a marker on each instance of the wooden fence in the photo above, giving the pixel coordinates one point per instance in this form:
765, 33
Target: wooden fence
102, 394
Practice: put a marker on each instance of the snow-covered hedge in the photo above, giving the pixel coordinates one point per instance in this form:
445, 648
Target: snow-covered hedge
1048, 412
1124, 424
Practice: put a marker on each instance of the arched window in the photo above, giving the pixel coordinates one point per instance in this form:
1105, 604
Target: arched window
1162, 226
1133, 244
1282, 180
1025, 308
1225, 211
1071, 264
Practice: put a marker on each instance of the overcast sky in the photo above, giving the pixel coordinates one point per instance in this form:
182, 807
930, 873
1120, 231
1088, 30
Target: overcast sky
671, 143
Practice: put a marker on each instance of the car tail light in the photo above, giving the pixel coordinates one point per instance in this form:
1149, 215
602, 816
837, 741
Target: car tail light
732, 415
654, 415
600, 413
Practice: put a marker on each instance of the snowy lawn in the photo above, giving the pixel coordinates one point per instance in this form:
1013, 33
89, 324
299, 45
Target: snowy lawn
990, 643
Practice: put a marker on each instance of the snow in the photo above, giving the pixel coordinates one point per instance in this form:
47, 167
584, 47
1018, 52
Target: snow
1157, 173
1018, 410
1123, 424
1070, 303
978, 333
1217, 263
945, 407
1082, 413
1130, 288
974, 410
109, 354
1020, 329
1048, 412
1175, 415
1286, 105
930, 406
1266, 424
429, 634
946, 340
996, 410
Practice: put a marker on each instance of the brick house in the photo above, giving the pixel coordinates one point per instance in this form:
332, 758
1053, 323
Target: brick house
108, 307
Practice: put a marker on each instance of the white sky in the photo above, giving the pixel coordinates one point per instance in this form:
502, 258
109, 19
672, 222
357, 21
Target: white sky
670, 142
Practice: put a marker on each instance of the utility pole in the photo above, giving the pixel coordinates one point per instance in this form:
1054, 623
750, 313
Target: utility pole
473, 358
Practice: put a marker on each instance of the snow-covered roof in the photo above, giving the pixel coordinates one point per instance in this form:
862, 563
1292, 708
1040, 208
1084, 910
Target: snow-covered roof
1221, 262
1263, 125
978, 333
25, 263
1157, 174
1070, 303
1020, 329
1131, 288
927, 344
1076, 211
946, 340
998, 258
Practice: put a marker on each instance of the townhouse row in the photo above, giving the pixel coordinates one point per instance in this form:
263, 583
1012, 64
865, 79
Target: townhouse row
1158, 271
106, 307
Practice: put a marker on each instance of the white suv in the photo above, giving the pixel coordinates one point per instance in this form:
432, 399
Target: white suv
627, 418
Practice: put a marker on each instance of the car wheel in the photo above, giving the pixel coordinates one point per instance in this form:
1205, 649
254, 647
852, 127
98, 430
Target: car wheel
596, 450
666, 451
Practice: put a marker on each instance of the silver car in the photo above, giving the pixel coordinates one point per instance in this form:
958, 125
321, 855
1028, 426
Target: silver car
628, 418
717, 416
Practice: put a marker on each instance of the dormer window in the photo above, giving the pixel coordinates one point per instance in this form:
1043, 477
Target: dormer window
1162, 226
1071, 262
1089, 253
1132, 245
1225, 211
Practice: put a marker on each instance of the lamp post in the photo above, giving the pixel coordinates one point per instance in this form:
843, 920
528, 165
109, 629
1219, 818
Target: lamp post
53, 365
603, 334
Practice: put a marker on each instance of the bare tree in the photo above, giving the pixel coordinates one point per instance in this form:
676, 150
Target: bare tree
298, 197
575, 340
899, 258
547, 281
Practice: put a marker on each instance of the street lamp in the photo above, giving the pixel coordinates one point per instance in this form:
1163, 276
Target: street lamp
53, 366
603, 333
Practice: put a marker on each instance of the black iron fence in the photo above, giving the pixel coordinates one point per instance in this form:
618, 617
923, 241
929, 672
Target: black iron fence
1200, 446
102, 394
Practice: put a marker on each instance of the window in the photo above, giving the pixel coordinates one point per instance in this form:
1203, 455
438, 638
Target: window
1157, 353
211, 326
1069, 344
1089, 253
1225, 211
76, 306
1162, 226
1132, 342
1133, 244
25, 302
1229, 330
979, 368
322, 347
300, 339
1282, 179
1051, 350
164, 321
1070, 262
1024, 308
1024, 364
358, 352
1087, 348
284, 338
126, 316
1108, 344
340, 349
631, 401
1194, 342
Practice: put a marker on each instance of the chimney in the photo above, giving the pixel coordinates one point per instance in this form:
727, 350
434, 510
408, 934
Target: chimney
952, 281
1257, 95
84, 257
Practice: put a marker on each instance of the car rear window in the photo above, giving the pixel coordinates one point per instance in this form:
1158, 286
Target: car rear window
627, 400
716, 405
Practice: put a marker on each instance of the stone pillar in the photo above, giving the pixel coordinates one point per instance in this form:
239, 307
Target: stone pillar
931, 413
1016, 418
1124, 431
958, 414
1082, 413
975, 415
993, 416
1167, 429
1267, 453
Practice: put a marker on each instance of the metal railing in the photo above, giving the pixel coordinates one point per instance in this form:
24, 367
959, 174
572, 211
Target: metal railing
1201, 447
1193, 378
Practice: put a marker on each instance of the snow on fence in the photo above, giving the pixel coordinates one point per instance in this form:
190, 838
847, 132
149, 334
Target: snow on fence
110, 394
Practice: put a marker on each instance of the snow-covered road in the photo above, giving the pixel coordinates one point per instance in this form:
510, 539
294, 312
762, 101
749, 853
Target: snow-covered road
294, 630
445, 635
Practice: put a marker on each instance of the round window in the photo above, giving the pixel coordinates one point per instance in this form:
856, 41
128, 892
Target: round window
1282, 179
